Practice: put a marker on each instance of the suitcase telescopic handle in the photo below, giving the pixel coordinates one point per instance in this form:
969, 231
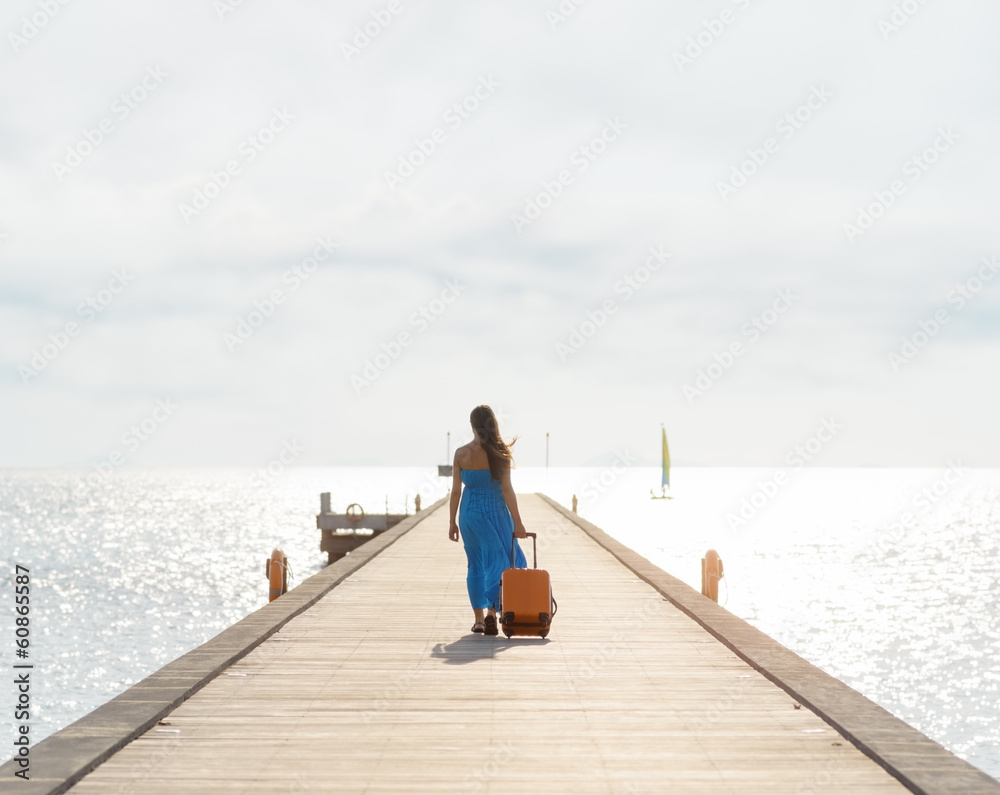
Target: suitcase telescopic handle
534, 548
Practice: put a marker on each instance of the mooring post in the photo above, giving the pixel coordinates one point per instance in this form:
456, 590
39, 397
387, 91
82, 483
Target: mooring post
711, 573
276, 571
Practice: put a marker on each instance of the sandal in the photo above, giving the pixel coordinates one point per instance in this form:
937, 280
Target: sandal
478, 627
490, 625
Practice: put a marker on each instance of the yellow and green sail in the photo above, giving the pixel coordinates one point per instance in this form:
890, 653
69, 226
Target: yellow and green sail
665, 477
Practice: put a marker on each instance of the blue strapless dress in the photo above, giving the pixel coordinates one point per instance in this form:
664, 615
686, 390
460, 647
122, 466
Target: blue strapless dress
487, 533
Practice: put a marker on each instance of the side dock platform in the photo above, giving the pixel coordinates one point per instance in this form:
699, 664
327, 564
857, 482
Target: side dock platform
366, 678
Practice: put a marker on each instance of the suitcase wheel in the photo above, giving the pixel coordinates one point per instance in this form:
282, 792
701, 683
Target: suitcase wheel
543, 633
507, 632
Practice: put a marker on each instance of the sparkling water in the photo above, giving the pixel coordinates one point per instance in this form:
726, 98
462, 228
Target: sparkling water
885, 578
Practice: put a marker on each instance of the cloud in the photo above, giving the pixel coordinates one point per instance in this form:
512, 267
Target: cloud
555, 90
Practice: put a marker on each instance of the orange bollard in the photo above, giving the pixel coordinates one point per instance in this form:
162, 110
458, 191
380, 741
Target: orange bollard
276, 571
711, 573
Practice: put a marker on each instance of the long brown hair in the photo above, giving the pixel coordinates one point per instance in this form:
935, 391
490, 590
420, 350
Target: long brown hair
484, 422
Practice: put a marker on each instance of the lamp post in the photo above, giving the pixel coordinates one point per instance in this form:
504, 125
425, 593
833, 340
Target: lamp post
546, 449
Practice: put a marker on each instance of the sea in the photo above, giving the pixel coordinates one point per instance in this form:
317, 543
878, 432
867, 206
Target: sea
888, 579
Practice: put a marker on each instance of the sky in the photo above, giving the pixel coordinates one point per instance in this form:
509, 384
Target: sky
234, 231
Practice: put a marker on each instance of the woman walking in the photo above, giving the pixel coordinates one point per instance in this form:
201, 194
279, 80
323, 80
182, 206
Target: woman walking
489, 517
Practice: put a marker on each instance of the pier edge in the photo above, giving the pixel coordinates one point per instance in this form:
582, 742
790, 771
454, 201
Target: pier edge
919, 763
71, 753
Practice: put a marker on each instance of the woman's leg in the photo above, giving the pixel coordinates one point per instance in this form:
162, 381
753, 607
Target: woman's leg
490, 625
474, 577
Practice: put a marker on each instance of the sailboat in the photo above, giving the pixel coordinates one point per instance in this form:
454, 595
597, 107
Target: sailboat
665, 473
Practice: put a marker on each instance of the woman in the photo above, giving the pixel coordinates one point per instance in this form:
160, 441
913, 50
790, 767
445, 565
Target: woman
489, 518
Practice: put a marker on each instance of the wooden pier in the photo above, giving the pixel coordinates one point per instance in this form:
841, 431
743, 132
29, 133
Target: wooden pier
342, 533
367, 679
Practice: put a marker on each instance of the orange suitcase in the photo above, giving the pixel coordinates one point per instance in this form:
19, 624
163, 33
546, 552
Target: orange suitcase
526, 603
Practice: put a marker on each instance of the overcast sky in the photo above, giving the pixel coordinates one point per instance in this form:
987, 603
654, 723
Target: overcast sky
479, 176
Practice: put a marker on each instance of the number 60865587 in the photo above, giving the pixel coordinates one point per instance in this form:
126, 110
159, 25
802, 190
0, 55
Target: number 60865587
22, 590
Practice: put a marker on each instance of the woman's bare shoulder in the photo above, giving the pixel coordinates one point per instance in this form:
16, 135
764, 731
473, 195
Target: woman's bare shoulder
471, 456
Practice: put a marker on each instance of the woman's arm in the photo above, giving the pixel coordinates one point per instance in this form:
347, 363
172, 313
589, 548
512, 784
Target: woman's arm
511, 499
456, 496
